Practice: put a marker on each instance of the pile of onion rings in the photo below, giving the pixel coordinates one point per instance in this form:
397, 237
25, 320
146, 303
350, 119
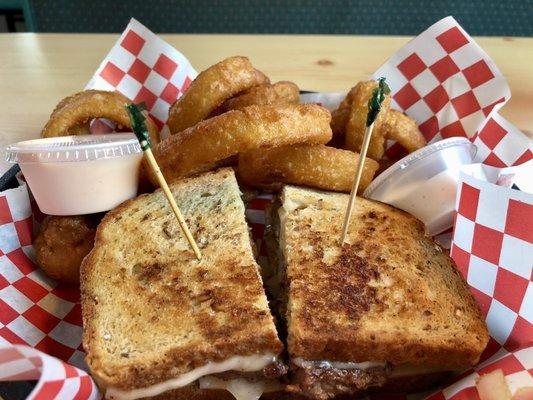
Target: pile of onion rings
73, 114
205, 145
318, 166
232, 112
199, 144
210, 89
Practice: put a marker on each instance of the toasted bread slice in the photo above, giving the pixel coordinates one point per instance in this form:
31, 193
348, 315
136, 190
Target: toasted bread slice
390, 295
151, 311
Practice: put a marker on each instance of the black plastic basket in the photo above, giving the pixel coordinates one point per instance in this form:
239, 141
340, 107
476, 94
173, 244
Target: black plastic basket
9, 180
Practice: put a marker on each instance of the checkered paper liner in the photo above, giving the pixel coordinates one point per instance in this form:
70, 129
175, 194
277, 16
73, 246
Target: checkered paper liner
517, 367
494, 251
56, 378
144, 68
40, 320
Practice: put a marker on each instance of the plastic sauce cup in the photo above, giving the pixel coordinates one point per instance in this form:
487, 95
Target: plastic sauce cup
424, 183
73, 175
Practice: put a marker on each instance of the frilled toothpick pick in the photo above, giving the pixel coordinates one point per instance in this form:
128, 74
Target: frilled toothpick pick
374, 106
139, 128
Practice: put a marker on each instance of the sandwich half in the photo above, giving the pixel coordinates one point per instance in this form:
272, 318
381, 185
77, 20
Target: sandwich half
157, 321
387, 310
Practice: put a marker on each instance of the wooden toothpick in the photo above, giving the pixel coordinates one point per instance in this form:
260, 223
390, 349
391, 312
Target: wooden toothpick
355, 184
139, 128
374, 106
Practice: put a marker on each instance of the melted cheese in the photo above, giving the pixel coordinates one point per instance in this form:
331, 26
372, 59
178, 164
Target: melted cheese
300, 362
241, 389
236, 363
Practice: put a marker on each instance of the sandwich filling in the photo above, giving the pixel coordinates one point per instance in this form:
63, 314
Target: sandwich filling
323, 380
246, 377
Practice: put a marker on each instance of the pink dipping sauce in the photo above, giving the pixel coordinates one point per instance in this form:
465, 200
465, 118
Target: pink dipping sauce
424, 183
74, 175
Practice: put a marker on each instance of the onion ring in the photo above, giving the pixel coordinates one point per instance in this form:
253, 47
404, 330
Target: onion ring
210, 89
83, 128
397, 126
355, 128
340, 116
73, 113
404, 130
202, 146
278, 93
322, 167
80, 129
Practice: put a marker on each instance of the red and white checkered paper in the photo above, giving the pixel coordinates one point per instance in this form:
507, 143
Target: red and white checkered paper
494, 251
442, 71
451, 87
144, 68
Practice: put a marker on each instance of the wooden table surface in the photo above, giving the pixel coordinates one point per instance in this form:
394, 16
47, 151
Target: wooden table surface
37, 70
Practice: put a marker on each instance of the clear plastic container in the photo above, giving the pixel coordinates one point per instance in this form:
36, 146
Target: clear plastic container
73, 175
424, 183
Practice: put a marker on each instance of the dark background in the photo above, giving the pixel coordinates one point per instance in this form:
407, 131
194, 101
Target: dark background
380, 17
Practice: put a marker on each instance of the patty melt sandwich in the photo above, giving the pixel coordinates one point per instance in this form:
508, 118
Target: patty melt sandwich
158, 321
387, 311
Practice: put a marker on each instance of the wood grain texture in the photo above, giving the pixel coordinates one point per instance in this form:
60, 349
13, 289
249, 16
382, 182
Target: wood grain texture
38, 70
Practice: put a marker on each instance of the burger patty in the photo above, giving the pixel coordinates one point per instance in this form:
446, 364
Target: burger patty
321, 383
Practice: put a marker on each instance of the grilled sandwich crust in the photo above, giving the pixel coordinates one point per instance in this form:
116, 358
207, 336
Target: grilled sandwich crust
151, 311
390, 294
